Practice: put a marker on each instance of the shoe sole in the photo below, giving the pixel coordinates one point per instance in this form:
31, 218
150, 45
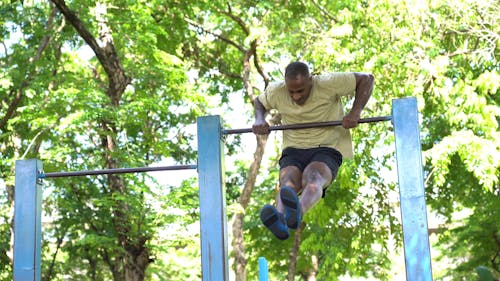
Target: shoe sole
292, 206
270, 218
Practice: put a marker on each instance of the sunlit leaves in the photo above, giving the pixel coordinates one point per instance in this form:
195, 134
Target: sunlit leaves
186, 57
479, 156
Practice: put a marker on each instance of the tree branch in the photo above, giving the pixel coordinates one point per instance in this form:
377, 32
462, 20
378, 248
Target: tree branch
222, 38
60, 240
106, 54
247, 69
324, 11
260, 70
493, 260
18, 95
80, 27
237, 19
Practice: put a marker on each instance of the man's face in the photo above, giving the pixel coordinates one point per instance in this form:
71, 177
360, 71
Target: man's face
299, 88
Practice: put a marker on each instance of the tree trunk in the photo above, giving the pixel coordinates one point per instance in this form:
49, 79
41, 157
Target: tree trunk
249, 56
294, 253
240, 260
238, 243
131, 263
314, 269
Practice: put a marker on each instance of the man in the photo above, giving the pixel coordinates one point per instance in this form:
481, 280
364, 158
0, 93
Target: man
311, 157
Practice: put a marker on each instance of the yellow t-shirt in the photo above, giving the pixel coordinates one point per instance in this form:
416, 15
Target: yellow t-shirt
323, 104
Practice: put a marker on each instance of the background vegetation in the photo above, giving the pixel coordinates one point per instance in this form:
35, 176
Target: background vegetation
106, 84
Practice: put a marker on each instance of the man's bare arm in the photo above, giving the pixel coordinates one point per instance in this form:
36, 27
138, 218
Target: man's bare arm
364, 88
260, 126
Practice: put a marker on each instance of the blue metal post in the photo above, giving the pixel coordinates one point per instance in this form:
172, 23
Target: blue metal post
27, 221
411, 189
213, 220
263, 270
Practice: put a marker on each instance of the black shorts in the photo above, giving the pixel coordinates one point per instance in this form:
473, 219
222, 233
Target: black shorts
300, 158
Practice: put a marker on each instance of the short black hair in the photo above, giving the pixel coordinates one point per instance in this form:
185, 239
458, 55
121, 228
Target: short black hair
295, 69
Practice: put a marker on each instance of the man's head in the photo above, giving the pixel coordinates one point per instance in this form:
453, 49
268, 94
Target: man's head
298, 82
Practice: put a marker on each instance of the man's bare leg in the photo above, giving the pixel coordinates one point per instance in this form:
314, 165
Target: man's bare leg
290, 176
315, 177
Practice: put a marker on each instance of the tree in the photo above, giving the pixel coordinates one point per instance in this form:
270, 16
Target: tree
461, 114
112, 115
23, 65
153, 67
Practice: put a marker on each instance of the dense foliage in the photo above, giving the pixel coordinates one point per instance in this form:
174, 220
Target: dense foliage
105, 84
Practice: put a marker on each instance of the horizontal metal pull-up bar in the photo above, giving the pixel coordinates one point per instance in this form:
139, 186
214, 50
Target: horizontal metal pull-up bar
117, 171
307, 125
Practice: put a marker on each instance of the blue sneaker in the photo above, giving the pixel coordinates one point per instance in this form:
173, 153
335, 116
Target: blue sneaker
293, 213
274, 221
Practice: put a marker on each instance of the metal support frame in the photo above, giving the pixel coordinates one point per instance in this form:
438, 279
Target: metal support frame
411, 190
263, 269
213, 219
27, 221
